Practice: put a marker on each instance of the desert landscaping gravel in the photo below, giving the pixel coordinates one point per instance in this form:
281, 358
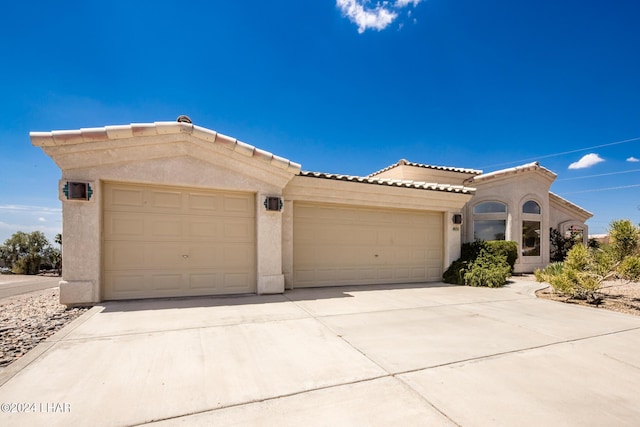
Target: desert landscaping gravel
616, 295
28, 319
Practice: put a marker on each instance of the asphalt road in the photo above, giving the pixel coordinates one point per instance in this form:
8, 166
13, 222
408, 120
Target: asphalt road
14, 284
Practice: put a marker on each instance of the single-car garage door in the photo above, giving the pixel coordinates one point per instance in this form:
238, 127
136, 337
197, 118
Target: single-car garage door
340, 245
171, 241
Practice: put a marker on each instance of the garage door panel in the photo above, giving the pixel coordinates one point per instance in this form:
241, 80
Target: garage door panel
340, 245
433, 254
142, 226
324, 275
163, 228
200, 281
402, 274
236, 230
368, 274
127, 284
204, 203
124, 198
236, 281
236, 256
165, 200
385, 274
385, 237
163, 256
199, 257
125, 256
165, 241
419, 273
202, 229
123, 226
419, 256
305, 276
235, 204
166, 282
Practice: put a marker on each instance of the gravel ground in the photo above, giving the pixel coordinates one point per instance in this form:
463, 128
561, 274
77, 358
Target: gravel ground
617, 295
26, 320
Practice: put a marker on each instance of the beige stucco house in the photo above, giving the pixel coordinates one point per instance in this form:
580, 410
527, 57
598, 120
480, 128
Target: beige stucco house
172, 209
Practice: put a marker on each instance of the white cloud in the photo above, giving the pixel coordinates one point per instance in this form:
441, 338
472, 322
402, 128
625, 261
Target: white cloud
586, 161
633, 160
29, 218
8, 229
377, 17
405, 3
40, 210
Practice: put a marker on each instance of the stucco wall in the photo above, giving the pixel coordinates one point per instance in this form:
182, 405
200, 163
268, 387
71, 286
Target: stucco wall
564, 216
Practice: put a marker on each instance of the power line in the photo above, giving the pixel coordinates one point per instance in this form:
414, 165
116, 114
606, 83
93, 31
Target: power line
600, 174
562, 153
602, 189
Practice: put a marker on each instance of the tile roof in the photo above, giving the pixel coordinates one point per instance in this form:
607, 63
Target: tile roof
535, 166
402, 162
560, 200
391, 182
88, 135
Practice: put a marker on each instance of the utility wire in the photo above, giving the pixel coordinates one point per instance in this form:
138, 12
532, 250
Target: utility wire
602, 189
562, 153
600, 174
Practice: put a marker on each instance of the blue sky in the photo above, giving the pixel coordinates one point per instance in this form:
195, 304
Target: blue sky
342, 86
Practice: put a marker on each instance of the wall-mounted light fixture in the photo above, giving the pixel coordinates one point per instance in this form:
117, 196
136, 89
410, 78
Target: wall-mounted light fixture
74, 190
273, 203
457, 219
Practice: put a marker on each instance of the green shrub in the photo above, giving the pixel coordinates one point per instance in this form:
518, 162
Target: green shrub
471, 251
507, 248
492, 251
625, 238
581, 275
630, 268
488, 269
553, 269
455, 273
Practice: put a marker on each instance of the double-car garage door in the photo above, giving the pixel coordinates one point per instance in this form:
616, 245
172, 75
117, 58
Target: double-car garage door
171, 241
341, 245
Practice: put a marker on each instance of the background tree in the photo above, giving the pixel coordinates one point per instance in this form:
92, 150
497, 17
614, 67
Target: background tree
624, 239
560, 244
58, 266
25, 252
52, 259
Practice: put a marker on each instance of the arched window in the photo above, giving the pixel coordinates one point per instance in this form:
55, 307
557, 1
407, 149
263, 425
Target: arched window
490, 207
489, 221
531, 229
531, 207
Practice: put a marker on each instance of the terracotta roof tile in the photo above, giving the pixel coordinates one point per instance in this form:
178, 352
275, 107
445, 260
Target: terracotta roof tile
391, 182
88, 135
535, 166
402, 162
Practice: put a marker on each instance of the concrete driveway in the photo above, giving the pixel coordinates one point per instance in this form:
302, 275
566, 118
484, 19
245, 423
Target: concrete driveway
374, 355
